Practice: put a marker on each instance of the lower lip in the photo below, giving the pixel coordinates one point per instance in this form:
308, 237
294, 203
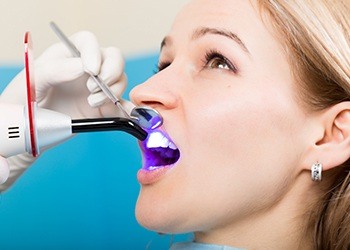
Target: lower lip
148, 177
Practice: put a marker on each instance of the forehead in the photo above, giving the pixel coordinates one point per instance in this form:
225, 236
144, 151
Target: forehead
222, 13
241, 17
223, 7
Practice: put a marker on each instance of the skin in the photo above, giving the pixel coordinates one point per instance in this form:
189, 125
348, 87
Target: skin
243, 135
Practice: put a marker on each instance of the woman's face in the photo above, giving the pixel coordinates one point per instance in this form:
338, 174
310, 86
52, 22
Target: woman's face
228, 101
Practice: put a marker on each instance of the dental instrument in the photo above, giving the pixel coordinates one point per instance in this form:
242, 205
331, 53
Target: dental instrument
146, 117
28, 128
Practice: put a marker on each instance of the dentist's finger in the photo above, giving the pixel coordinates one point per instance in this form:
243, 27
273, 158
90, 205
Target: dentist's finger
99, 98
90, 53
111, 70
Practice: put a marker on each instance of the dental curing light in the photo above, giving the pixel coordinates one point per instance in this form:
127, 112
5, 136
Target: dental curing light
28, 128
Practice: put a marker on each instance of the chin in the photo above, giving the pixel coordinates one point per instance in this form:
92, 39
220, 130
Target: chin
149, 215
158, 217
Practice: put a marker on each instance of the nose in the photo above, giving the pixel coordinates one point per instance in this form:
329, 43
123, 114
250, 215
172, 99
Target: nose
157, 92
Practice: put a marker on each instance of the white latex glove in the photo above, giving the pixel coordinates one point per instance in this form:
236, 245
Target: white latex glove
62, 85
4, 170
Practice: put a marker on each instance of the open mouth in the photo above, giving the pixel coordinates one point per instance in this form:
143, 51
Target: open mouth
158, 151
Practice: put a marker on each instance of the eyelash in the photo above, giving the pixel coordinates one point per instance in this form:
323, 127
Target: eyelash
160, 66
209, 56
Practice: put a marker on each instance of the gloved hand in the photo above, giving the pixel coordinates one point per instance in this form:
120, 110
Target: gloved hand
62, 85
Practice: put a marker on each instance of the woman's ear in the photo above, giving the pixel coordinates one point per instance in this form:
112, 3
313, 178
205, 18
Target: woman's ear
333, 148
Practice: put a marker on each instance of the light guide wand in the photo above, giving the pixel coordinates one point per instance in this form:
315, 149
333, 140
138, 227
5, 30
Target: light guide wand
109, 124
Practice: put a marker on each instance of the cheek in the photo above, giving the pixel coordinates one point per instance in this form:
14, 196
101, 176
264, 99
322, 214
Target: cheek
246, 134
245, 119
241, 144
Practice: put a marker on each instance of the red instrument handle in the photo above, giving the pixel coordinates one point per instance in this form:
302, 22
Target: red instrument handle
31, 96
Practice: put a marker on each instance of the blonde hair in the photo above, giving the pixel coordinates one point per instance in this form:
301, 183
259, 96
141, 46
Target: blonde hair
316, 38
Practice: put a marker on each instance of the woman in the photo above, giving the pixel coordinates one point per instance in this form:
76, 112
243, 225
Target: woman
256, 138
255, 96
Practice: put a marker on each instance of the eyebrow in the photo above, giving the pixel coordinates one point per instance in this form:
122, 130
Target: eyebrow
198, 33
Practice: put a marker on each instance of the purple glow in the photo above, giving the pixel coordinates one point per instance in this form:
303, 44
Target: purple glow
147, 118
158, 150
156, 122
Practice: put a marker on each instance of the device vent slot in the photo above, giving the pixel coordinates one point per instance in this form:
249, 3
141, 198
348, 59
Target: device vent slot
13, 132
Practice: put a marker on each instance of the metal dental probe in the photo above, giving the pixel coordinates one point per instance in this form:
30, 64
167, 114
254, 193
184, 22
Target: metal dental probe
76, 53
145, 117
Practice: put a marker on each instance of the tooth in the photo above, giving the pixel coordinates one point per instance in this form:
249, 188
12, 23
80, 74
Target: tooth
152, 168
154, 139
164, 143
172, 146
157, 139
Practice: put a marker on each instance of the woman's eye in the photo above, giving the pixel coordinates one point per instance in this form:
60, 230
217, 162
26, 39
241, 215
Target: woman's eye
218, 63
215, 60
161, 65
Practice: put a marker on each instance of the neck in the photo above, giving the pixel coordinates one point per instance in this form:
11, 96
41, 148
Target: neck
283, 225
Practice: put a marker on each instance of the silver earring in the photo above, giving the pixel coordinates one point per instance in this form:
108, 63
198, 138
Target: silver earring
316, 171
